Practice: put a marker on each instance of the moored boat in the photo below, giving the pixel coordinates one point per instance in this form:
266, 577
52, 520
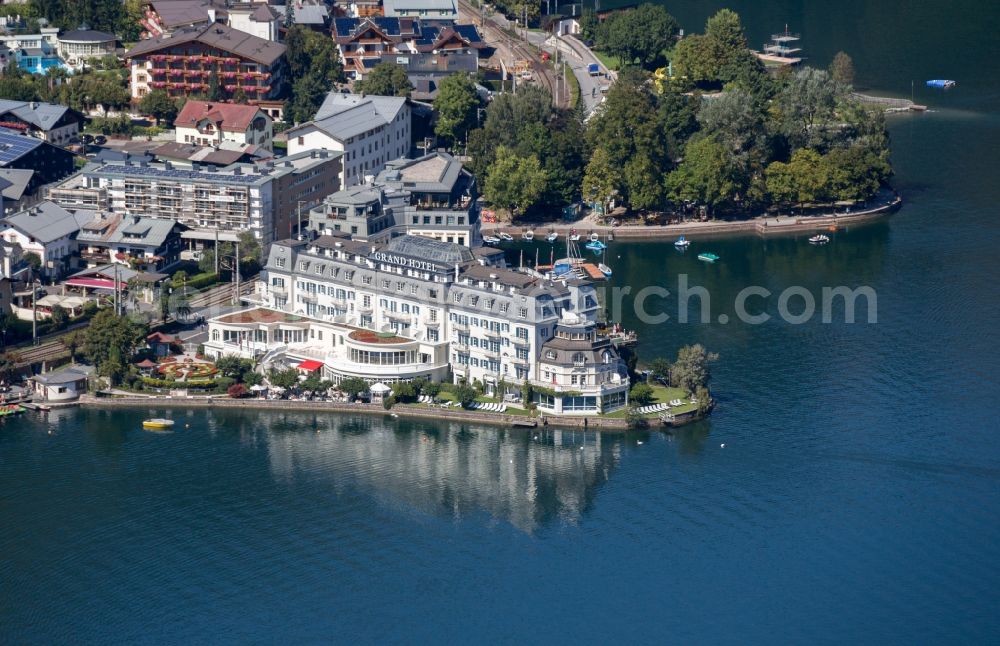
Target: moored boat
942, 83
604, 269
574, 236
682, 243
528, 235
506, 237
11, 409
594, 237
157, 422
819, 239
552, 237
596, 245
708, 257
491, 240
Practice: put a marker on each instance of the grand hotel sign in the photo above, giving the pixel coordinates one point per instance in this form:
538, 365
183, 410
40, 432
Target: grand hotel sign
405, 261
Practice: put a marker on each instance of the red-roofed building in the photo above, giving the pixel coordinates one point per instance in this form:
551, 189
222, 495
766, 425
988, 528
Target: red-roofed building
209, 123
161, 343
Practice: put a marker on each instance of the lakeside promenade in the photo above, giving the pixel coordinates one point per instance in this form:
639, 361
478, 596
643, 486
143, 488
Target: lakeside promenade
765, 226
416, 411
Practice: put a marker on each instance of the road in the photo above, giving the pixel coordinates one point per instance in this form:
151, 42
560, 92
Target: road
511, 49
579, 57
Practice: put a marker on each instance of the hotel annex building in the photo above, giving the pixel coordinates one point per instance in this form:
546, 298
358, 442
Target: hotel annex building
416, 307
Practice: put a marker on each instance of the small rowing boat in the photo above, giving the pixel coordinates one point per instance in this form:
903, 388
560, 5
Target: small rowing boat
944, 84
157, 423
528, 235
708, 257
596, 245
552, 237
604, 269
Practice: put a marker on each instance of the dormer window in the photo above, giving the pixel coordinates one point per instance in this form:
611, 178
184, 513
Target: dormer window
549, 354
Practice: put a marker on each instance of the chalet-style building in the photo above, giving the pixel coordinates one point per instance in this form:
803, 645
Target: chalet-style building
363, 43
55, 124
210, 123
184, 62
20, 151
151, 244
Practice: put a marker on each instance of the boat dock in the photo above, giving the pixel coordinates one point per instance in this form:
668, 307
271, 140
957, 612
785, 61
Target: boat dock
782, 50
891, 104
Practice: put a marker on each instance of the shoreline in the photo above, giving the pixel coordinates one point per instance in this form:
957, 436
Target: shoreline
600, 424
762, 226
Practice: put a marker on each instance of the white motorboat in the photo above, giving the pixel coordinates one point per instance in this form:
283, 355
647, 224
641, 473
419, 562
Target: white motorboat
819, 239
552, 237
682, 243
506, 237
528, 235
491, 240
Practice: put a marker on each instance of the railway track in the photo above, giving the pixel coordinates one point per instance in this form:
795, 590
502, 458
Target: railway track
496, 35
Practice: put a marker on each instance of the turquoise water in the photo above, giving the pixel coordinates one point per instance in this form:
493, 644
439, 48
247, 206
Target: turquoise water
855, 500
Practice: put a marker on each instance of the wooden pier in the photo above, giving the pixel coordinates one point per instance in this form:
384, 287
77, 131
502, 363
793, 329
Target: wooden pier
891, 104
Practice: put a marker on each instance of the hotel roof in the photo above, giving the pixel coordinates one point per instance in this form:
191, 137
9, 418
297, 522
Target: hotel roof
218, 36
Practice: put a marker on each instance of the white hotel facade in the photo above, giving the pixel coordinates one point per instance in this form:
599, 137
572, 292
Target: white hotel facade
417, 307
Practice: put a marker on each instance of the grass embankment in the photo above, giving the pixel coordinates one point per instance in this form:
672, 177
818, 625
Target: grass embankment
574, 86
610, 62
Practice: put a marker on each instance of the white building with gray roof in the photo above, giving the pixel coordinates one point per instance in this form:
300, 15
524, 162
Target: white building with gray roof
49, 231
416, 307
370, 130
432, 196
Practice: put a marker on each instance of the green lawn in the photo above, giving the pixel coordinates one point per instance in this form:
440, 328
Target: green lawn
610, 62
663, 394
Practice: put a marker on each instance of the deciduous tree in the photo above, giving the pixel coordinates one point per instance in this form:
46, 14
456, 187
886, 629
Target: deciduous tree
514, 183
385, 79
456, 106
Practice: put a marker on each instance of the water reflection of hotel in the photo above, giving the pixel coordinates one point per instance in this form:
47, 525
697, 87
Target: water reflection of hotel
527, 479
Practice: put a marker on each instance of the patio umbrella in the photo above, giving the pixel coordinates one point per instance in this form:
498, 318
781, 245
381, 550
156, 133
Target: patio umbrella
380, 389
258, 388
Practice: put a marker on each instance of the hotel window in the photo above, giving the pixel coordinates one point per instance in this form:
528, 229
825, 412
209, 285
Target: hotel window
366, 280
279, 262
366, 300
399, 286
413, 289
522, 312
385, 284
432, 335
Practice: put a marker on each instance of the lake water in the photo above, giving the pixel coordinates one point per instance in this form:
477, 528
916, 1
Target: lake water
856, 499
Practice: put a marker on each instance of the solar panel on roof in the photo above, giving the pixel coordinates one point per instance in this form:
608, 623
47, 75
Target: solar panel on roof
180, 174
15, 146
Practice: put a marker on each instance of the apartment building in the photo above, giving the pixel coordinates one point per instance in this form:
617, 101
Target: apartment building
214, 203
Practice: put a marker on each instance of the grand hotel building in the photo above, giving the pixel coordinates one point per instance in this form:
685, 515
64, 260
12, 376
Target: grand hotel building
417, 307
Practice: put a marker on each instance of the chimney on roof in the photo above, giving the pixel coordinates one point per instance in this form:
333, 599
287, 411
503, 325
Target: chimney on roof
34, 105
166, 165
